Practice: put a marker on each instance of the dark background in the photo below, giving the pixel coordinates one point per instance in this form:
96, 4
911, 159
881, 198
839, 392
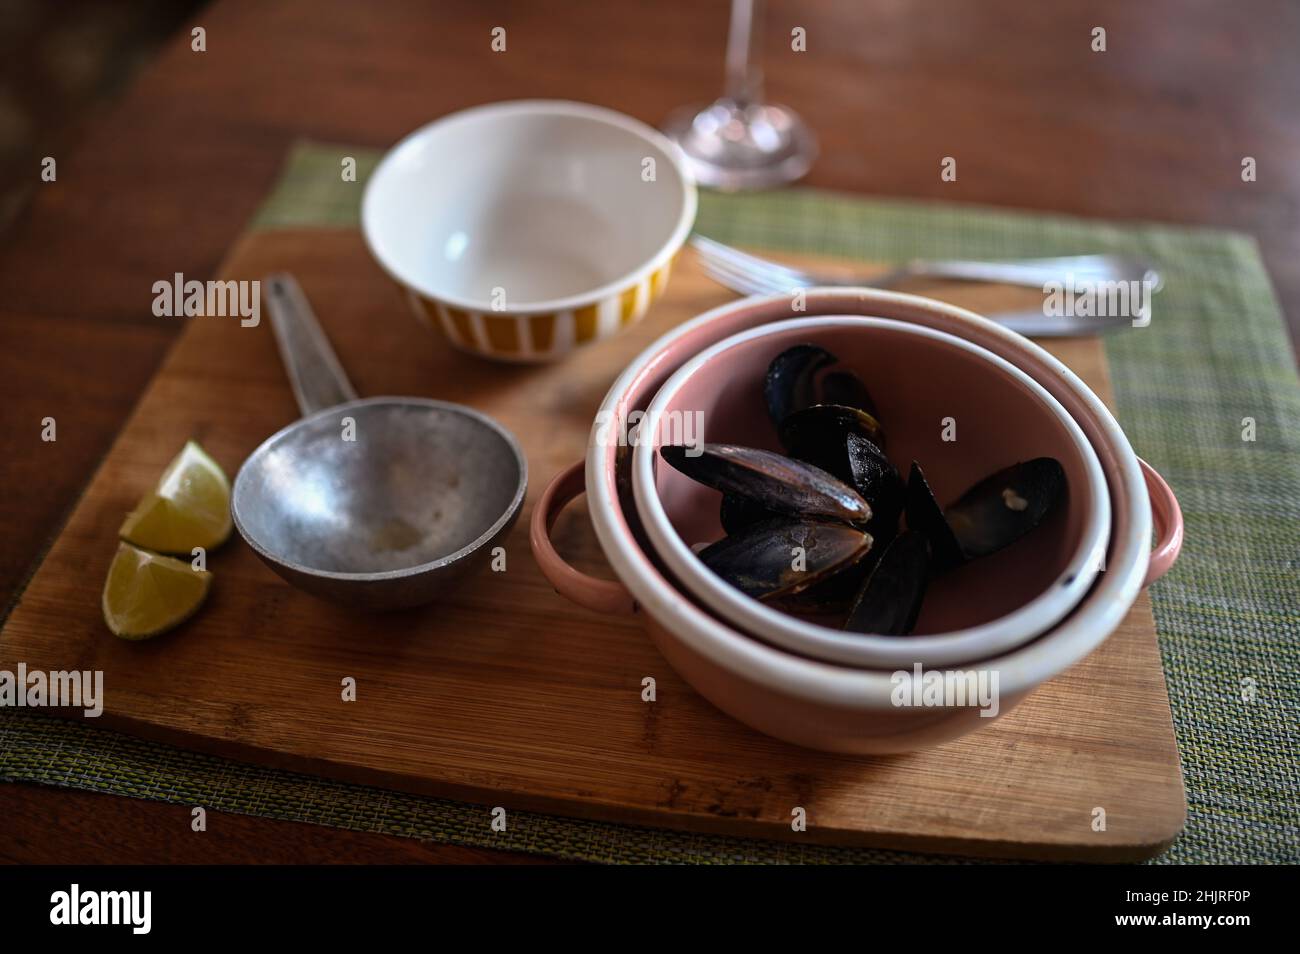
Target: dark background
59, 61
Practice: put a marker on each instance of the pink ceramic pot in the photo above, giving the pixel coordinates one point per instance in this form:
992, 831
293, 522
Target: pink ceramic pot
814, 703
918, 377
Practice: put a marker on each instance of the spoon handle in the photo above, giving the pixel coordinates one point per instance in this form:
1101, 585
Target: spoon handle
314, 371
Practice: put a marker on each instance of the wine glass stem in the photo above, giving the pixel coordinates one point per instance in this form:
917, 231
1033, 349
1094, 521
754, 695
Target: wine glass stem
744, 73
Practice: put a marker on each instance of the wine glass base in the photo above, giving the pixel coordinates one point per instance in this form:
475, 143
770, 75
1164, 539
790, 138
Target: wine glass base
735, 148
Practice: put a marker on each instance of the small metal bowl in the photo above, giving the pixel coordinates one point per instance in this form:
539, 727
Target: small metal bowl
389, 520
379, 503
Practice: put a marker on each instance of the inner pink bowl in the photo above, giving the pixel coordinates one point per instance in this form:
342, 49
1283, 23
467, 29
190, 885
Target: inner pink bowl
918, 383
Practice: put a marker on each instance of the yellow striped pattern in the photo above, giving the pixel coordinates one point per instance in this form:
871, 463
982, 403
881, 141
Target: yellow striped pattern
540, 337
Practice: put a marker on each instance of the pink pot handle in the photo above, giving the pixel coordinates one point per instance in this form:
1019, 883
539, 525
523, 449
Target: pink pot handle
1168, 519
590, 592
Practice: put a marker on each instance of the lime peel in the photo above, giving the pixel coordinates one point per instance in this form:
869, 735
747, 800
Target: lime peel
146, 594
190, 507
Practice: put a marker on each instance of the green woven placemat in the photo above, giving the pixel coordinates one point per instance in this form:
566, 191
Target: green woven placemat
1228, 615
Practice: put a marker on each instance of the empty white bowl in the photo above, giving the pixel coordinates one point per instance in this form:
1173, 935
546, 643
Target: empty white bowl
523, 229
917, 377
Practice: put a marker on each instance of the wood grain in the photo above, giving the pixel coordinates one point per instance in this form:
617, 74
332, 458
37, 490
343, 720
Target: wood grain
505, 694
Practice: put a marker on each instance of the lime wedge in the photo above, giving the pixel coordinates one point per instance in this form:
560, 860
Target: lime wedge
147, 594
189, 508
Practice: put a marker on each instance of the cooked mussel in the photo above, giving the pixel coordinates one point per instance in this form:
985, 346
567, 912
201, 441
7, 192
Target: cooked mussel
834, 594
846, 388
818, 434
783, 556
790, 382
990, 515
737, 513
890, 600
924, 515
778, 483
793, 384
874, 477
1004, 506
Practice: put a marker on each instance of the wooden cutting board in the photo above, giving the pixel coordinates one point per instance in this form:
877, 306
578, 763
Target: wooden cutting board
507, 695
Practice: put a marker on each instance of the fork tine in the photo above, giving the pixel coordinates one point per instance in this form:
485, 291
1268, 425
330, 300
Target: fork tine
748, 281
765, 269
729, 271
737, 260
744, 281
741, 284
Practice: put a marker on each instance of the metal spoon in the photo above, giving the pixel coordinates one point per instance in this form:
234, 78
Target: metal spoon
378, 503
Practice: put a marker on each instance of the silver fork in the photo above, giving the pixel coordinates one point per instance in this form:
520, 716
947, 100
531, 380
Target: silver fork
1034, 272
752, 275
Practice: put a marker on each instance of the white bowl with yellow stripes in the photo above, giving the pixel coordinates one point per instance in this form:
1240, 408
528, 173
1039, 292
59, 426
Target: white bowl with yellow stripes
521, 230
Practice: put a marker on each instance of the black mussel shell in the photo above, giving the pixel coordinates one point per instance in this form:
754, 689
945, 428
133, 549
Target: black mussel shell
924, 515
835, 593
780, 557
789, 385
738, 513
890, 599
871, 474
1003, 507
846, 388
778, 483
875, 478
818, 434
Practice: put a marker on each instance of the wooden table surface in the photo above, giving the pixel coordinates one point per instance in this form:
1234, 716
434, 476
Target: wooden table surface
1154, 128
